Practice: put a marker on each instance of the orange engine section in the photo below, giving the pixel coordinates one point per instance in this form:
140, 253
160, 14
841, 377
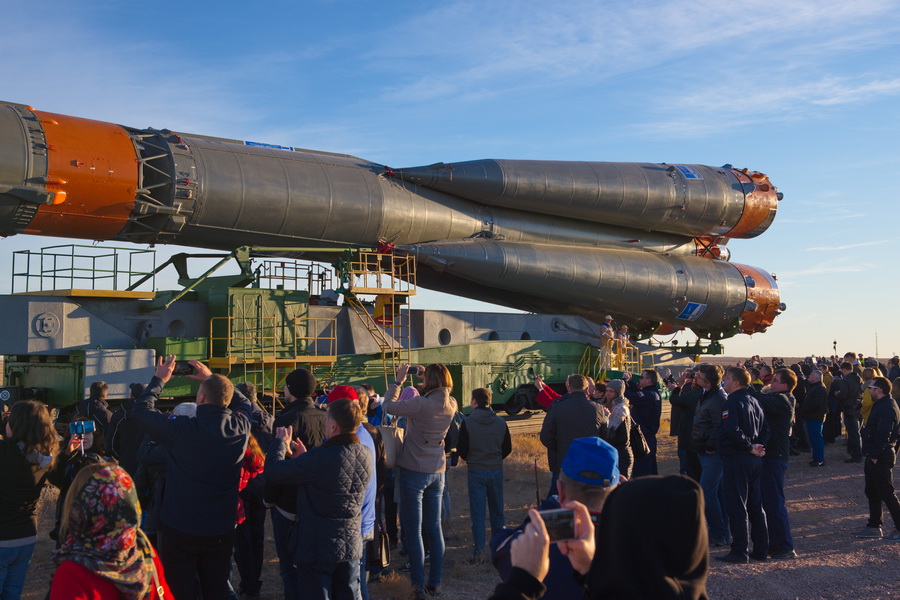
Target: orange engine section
93, 170
760, 204
764, 293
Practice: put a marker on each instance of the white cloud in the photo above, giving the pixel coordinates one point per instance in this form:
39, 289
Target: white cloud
847, 246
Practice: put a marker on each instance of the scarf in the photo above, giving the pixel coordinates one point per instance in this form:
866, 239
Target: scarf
104, 537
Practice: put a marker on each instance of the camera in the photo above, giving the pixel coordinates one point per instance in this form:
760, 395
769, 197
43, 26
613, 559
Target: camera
182, 369
560, 523
81, 427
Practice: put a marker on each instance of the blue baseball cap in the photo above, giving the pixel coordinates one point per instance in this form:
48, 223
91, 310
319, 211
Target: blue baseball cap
592, 461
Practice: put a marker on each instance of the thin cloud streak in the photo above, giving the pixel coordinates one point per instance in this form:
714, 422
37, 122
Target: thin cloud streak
846, 247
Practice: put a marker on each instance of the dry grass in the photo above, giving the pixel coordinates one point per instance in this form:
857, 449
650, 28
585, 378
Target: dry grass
391, 586
527, 448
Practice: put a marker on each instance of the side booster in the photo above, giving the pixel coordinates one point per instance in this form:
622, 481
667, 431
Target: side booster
644, 242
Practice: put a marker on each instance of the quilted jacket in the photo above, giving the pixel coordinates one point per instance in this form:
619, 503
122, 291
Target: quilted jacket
332, 482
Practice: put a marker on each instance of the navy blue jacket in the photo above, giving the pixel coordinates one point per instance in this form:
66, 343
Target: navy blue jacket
203, 463
332, 481
646, 407
743, 424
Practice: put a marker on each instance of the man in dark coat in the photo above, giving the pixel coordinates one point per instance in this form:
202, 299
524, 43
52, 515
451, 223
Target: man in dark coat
849, 395
778, 408
741, 440
572, 416
125, 435
707, 421
880, 443
813, 410
332, 480
646, 410
95, 407
203, 470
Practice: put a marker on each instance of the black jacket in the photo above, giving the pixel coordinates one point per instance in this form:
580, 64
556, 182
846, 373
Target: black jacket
686, 399
203, 463
22, 480
882, 430
571, 417
97, 410
331, 482
125, 437
778, 409
815, 404
308, 423
707, 420
850, 393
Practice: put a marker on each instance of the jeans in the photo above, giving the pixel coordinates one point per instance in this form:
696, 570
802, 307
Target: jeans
420, 512
771, 485
281, 527
743, 501
363, 578
816, 440
854, 441
485, 485
196, 561
333, 582
249, 542
446, 506
13, 565
711, 482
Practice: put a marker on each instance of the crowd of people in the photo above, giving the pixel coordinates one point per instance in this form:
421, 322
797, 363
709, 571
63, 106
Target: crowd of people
156, 505
783, 411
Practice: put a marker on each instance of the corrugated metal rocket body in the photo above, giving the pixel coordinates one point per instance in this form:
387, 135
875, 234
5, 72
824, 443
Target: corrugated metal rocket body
640, 241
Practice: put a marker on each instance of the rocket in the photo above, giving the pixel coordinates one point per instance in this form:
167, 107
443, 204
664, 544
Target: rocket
643, 242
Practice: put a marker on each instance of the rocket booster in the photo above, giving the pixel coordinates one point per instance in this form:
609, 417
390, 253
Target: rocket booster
644, 242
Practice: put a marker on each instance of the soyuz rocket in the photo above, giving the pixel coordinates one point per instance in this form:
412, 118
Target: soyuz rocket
642, 242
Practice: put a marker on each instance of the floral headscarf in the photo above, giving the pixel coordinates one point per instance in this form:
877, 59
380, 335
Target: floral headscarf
104, 536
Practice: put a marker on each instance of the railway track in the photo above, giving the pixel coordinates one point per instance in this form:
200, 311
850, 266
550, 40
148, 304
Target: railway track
527, 421
530, 421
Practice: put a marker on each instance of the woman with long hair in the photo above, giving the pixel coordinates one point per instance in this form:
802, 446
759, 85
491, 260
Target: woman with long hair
77, 451
104, 554
27, 451
421, 468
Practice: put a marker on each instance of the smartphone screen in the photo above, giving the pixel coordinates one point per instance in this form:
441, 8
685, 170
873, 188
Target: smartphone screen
182, 369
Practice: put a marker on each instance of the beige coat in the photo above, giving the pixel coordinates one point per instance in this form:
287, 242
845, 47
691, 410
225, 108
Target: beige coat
428, 418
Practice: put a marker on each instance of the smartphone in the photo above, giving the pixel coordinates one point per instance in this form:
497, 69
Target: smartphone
417, 371
182, 369
81, 427
560, 523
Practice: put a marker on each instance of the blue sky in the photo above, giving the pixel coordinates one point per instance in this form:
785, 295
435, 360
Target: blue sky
807, 92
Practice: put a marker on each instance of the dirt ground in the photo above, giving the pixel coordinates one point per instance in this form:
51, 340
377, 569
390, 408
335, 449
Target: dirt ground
825, 505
